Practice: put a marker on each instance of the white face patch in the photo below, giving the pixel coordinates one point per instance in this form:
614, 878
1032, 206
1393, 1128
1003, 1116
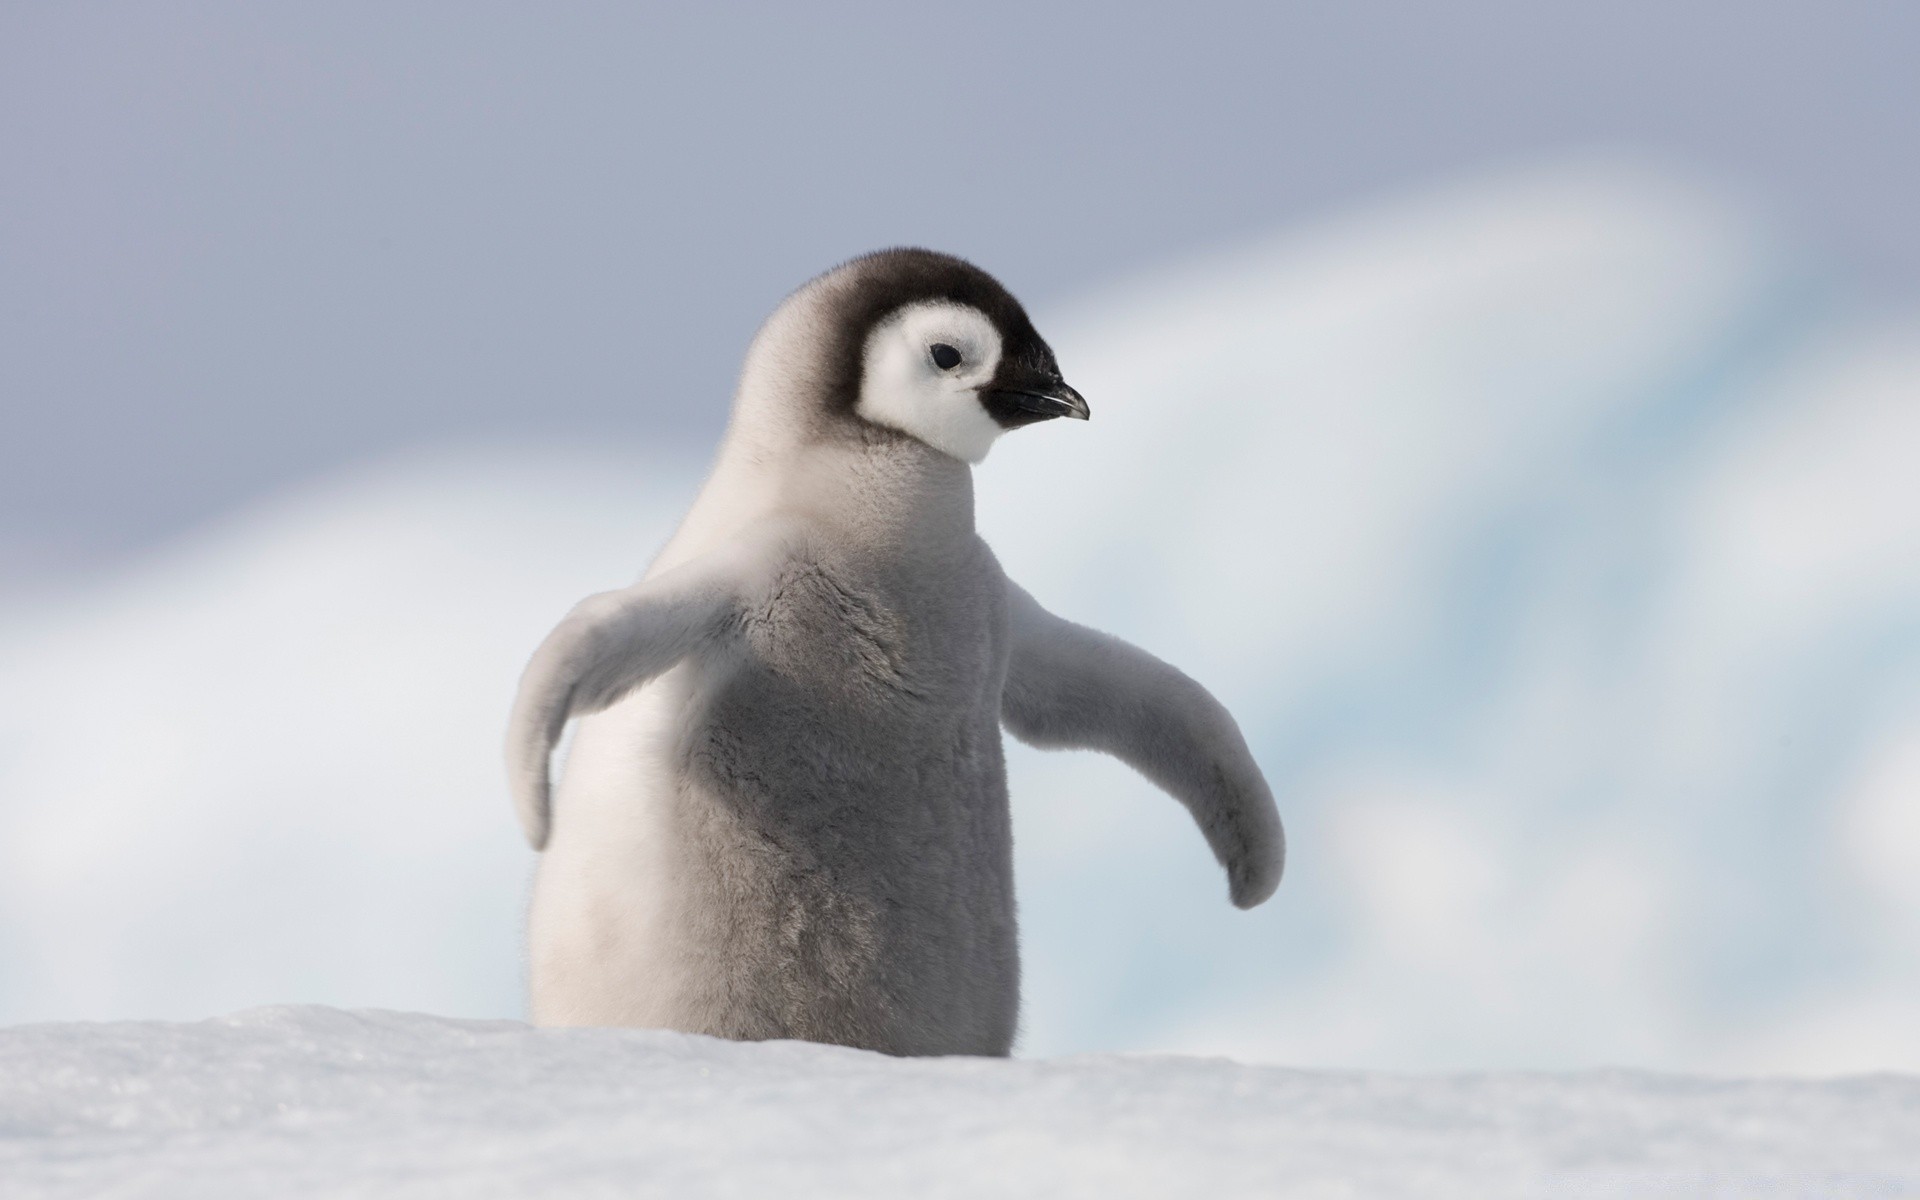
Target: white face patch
904, 387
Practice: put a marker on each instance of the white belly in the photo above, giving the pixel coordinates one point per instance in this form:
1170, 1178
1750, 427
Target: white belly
600, 923
601, 934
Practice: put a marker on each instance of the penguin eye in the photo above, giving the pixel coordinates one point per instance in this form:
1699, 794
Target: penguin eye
944, 356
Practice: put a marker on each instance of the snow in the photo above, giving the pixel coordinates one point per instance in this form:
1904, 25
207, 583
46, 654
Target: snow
317, 1101
1552, 534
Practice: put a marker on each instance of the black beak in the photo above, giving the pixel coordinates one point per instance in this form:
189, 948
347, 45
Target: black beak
1025, 404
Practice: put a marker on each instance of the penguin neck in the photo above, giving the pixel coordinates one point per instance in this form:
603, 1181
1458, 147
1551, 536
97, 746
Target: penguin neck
870, 489
886, 490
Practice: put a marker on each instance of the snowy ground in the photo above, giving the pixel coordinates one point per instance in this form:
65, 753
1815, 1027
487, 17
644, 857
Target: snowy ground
317, 1101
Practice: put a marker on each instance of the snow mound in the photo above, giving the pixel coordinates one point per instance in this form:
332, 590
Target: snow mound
1553, 536
266, 763
313, 1101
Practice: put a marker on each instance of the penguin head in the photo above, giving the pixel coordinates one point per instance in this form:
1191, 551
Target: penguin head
928, 345
946, 372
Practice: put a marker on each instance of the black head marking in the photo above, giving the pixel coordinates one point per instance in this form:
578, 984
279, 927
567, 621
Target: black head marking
865, 291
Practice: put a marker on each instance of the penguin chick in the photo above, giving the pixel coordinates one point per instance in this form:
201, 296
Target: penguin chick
784, 812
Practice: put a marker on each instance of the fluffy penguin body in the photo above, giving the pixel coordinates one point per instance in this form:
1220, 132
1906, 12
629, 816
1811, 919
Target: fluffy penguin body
784, 812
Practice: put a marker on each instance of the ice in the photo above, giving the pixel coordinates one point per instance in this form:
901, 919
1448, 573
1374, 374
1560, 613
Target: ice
1556, 541
314, 1101
1553, 536
265, 764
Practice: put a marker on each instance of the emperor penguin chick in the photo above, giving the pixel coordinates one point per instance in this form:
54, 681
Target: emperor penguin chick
784, 812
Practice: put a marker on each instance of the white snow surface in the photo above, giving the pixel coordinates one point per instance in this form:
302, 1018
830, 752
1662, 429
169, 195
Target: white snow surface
1554, 537
310, 1101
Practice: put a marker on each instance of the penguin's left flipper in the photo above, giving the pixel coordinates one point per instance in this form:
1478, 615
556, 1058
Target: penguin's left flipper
608, 645
1071, 687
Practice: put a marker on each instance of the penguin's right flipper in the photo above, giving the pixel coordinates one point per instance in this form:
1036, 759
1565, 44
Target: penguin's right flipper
608, 645
1070, 687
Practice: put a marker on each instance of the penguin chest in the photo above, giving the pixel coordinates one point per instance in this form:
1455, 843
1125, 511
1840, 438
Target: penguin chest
804, 834
875, 695
847, 793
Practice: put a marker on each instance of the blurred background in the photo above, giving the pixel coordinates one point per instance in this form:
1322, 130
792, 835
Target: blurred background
1510, 411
